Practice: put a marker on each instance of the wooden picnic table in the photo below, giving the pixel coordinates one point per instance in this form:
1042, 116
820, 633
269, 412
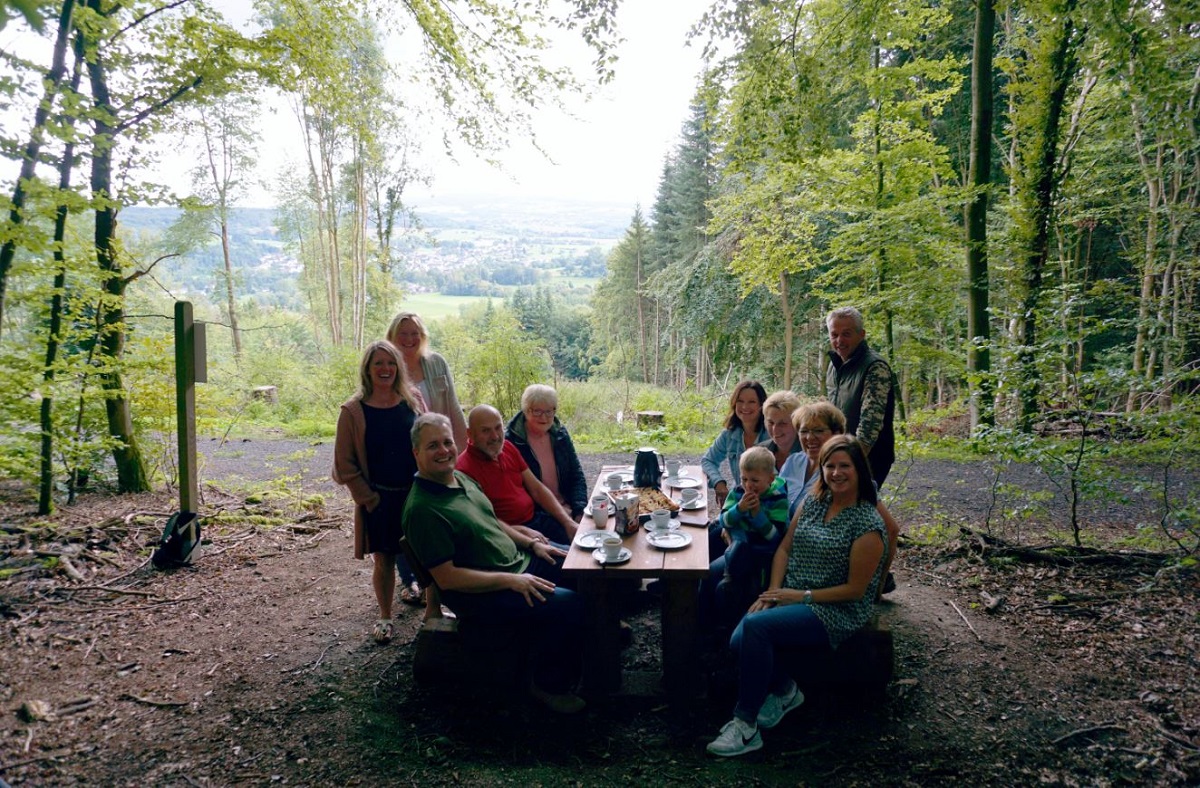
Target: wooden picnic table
680, 571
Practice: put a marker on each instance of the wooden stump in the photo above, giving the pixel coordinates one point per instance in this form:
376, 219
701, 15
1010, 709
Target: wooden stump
268, 394
650, 418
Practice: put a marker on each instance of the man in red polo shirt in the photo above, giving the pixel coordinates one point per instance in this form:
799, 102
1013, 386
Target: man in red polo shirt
516, 494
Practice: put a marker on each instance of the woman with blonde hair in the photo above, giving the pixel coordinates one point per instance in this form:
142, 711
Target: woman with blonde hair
428, 372
373, 458
777, 418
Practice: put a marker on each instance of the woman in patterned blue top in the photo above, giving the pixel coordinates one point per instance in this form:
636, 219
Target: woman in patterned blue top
824, 579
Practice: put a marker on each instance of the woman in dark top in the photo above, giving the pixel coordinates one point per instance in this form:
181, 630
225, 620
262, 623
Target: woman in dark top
547, 448
373, 457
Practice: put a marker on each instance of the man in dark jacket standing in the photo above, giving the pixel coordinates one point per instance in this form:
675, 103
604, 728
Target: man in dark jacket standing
859, 382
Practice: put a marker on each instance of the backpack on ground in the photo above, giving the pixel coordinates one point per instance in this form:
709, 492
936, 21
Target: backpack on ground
180, 541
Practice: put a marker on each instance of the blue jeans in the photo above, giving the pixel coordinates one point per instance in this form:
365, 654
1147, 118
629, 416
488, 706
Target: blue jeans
407, 575
553, 629
754, 643
749, 553
547, 526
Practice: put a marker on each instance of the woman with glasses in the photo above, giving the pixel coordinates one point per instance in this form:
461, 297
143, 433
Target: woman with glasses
814, 424
547, 448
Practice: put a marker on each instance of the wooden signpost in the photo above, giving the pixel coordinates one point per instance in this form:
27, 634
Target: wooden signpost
191, 368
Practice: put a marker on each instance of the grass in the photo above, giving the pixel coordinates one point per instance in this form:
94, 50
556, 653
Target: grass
435, 306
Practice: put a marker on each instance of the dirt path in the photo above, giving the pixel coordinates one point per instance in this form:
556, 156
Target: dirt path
254, 666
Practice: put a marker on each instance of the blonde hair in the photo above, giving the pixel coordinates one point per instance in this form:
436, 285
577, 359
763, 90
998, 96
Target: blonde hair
423, 347
785, 401
757, 458
822, 412
400, 384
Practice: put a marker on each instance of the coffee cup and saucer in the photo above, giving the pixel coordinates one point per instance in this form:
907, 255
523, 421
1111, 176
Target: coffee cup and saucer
612, 550
691, 499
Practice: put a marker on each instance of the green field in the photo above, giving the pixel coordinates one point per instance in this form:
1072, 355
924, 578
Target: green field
435, 306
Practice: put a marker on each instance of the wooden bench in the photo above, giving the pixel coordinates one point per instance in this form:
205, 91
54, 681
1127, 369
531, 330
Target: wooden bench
449, 653
864, 663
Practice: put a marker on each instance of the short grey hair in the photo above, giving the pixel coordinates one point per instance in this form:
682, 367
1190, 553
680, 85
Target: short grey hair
426, 420
539, 394
843, 312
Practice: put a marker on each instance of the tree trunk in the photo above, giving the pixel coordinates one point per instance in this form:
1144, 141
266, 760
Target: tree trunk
131, 469
979, 336
29, 156
230, 299
785, 308
641, 314
1039, 199
1149, 257
46, 473
220, 178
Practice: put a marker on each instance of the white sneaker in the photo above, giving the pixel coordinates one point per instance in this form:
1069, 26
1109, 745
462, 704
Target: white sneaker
737, 738
776, 706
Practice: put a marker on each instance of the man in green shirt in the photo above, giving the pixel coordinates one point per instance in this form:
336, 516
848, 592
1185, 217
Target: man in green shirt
489, 571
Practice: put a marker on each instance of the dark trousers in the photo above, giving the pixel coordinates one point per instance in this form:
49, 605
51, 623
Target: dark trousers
553, 629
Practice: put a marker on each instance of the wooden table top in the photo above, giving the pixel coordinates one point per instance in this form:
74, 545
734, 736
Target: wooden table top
649, 561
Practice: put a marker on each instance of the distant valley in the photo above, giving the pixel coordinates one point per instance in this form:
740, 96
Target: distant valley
461, 246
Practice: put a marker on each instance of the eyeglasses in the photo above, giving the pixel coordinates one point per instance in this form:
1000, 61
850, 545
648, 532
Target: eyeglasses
807, 432
537, 413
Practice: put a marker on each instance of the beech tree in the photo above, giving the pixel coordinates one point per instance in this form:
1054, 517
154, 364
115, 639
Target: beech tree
1043, 95
979, 179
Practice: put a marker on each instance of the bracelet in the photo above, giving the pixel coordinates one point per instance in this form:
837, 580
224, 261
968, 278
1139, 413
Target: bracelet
808, 597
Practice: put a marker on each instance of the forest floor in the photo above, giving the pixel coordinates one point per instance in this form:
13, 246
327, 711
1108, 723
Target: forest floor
254, 665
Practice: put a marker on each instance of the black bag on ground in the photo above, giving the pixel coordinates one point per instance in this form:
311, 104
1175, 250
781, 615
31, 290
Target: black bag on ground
179, 542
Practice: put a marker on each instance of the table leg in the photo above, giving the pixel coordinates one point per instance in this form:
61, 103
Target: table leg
602, 642
681, 668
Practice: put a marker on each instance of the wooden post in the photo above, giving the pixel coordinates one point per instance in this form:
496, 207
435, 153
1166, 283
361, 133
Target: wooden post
185, 405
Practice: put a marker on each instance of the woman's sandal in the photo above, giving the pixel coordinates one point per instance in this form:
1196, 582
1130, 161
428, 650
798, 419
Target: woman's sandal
382, 633
412, 595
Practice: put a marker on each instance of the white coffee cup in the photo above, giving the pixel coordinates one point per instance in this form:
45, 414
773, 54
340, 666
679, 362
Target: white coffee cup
614, 481
600, 509
672, 468
689, 496
660, 519
611, 545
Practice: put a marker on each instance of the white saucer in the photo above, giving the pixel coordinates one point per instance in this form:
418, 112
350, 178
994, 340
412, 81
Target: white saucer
680, 482
672, 540
590, 540
621, 558
699, 503
672, 525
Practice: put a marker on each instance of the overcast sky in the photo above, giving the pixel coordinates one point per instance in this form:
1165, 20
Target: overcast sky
611, 150
613, 147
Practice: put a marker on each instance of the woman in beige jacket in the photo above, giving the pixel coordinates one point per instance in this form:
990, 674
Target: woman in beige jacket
373, 458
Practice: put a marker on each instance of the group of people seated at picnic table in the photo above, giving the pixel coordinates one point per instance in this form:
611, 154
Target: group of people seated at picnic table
802, 545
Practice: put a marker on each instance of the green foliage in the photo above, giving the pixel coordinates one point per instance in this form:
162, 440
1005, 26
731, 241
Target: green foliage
492, 359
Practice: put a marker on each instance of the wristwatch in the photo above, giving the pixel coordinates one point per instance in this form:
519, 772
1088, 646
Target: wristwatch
808, 597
